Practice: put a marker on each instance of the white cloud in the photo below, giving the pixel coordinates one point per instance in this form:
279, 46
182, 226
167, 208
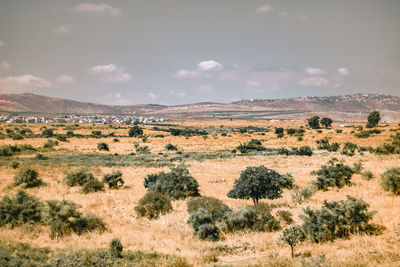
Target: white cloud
208, 65
177, 94
314, 81
100, 69
227, 76
284, 14
101, 9
187, 74
117, 77
314, 71
343, 71
63, 29
5, 65
65, 79
1, 44
111, 73
264, 9
25, 83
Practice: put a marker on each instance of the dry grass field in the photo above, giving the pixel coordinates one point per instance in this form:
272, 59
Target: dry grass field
170, 234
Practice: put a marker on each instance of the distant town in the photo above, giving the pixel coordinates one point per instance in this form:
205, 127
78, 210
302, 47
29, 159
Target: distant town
97, 119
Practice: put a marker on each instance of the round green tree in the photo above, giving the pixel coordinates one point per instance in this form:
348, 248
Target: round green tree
292, 236
373, 119
135, 131
260, 182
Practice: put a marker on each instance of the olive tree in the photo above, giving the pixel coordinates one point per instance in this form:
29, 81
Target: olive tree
292, 236
260, 182
373, 119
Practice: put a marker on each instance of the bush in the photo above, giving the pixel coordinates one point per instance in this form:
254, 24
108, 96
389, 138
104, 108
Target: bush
92, 185
15, 164
27, 177
252, 145
373, 119
62, 138
64, 218
285, 216
367, 175
324, 144
302, 195
291, 131
6, 151
78, 177
152, 204
115, 248
113, 179
257, 218
304, 151
177, 184
292, 236
203, 225
47, 133
20, 209
349, 149
50, 144
170, 146
391, 180
135, 131
337, 219
326, 122
260, 182
102, 146
313, 122
214, 206
333, 174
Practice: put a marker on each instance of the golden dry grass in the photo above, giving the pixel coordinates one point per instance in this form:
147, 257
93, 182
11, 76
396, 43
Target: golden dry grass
171, 234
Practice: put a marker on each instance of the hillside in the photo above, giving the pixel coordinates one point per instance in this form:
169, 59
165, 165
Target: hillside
347, 107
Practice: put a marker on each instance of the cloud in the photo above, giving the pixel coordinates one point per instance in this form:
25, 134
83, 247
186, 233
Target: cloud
117, 77
314, 71
63, 29
315, 81
65, 79
152, 95
100, 69
25, 83
100, 9
343, 71
187, 74
269, 81
177, 94
264, 9
111, 73
208, 65
5, 65
1, 44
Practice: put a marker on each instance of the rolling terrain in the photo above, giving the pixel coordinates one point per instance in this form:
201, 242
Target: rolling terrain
342, 108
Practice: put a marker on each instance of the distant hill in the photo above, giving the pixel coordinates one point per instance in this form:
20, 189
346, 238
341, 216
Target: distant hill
346, 107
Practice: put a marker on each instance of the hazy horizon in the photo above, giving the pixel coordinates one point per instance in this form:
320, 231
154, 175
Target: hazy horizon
184, 51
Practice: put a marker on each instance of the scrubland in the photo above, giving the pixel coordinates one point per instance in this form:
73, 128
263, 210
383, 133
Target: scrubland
213, 163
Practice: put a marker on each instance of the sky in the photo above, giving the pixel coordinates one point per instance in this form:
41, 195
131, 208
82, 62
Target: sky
184, 51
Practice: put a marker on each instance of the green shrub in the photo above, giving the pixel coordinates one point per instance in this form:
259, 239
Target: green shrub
301, 195
50, 144
349, 149
96, 134
252, 145
135, 131
102, 146
285, 216
15, 254
291, 131
17, 137
78, 177
64, 218
115, 248
326, 122
367, 175
93, 185
177, 184
20, 209
373, 119
170, 147
333, 174
62, 138
152, 204
304, 151
390, 180
27, 177
257, 218
203, 225
47, 133
292, 236
260, 182
214, 206
313, 122
143, 150
113, 179
6, 151
14, 164
337, 219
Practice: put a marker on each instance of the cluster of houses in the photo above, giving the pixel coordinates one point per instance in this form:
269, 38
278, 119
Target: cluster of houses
97, 119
